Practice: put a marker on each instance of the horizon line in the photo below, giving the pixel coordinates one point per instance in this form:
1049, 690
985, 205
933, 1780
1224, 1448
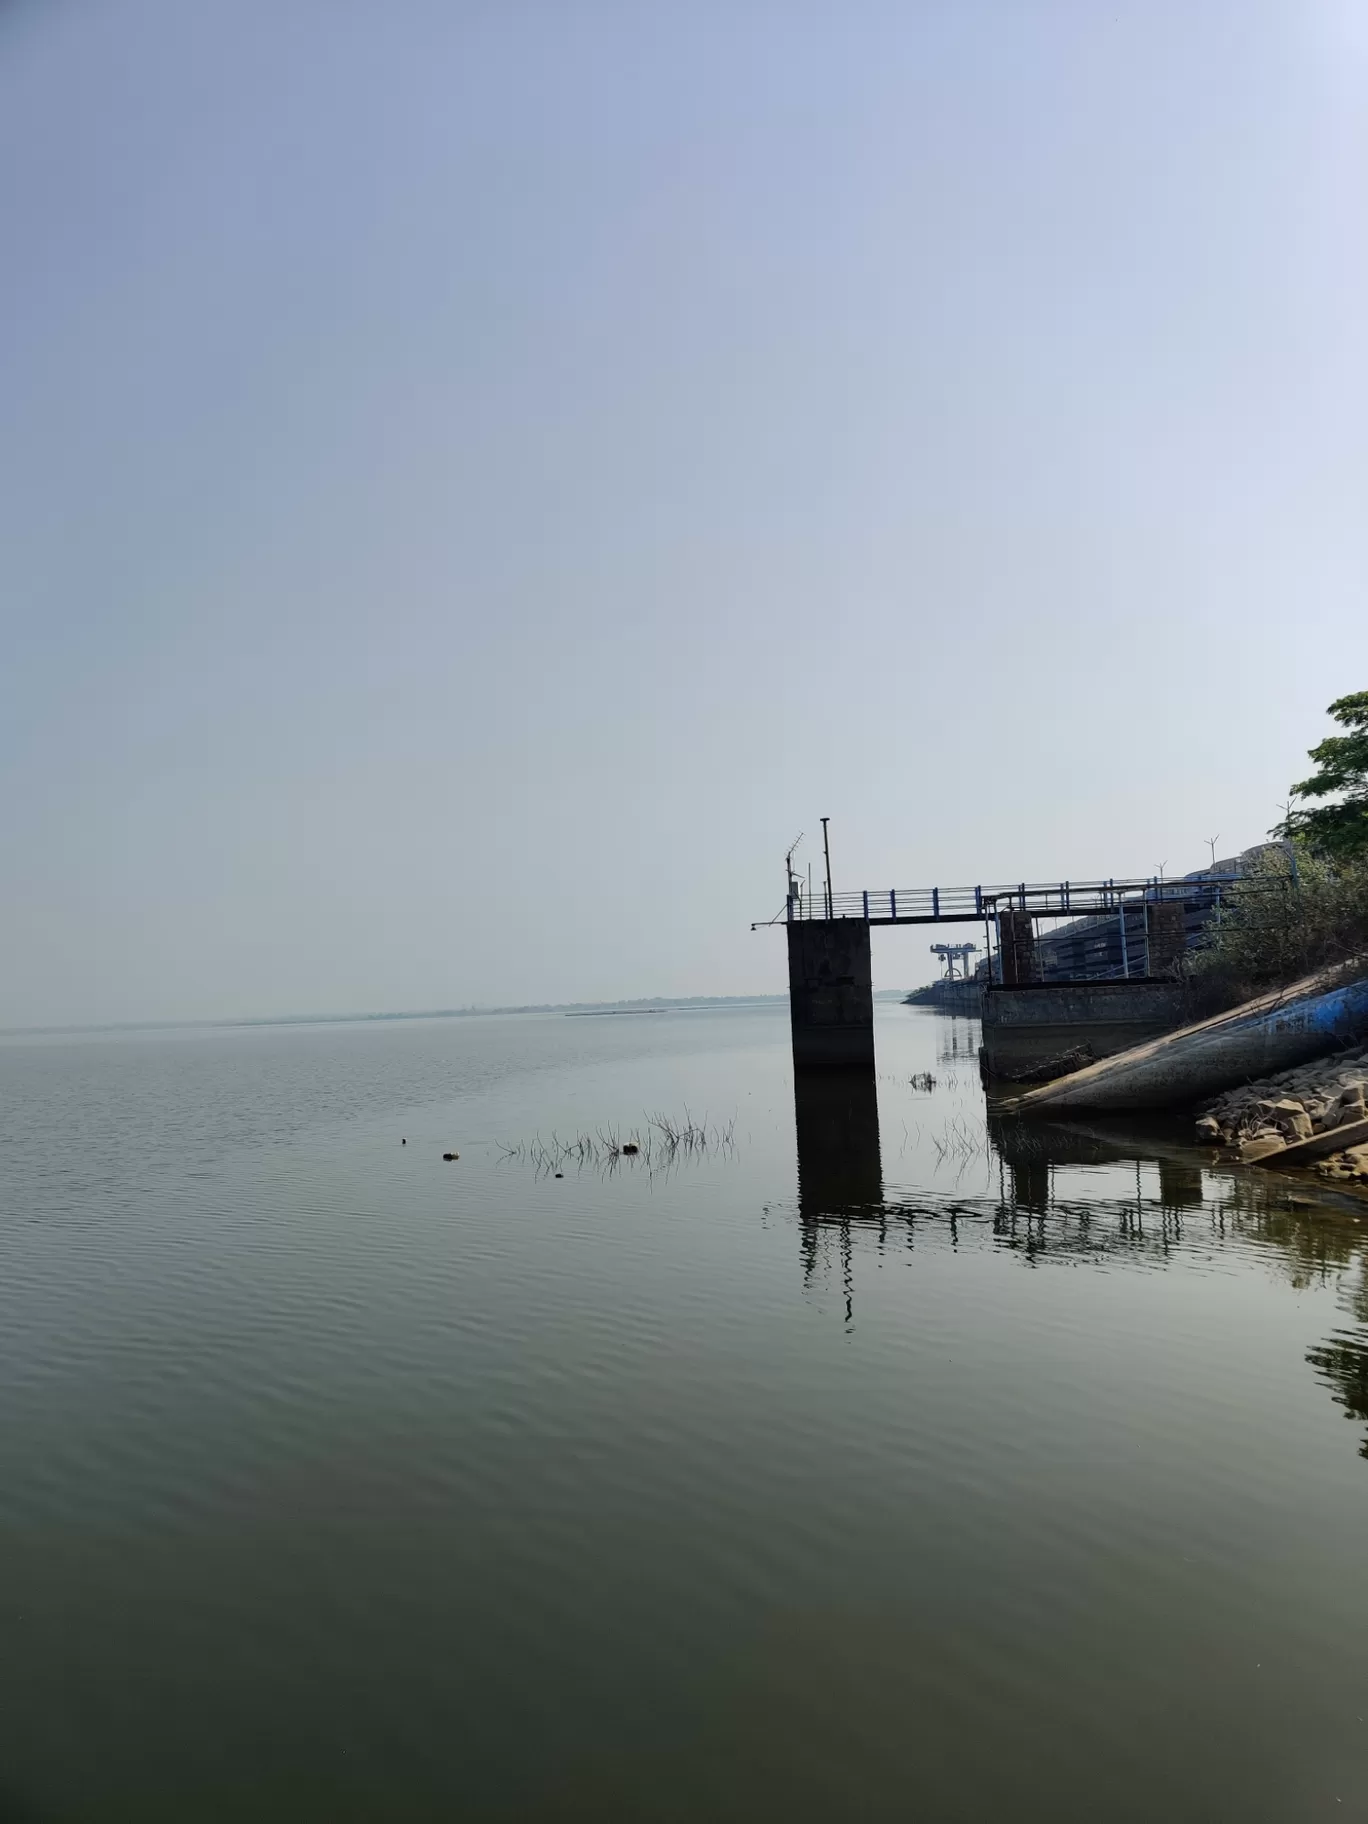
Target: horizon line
641, 1003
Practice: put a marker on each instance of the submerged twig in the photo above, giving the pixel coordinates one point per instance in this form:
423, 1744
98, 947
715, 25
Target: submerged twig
664, 1140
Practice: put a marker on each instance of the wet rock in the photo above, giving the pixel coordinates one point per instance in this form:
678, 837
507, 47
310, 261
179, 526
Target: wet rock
1261, 1146
1312, 1099
1290, 1118
1349, 1105
1350, 1166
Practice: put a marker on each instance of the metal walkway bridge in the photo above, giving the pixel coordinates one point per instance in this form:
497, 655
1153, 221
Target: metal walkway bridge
972, 905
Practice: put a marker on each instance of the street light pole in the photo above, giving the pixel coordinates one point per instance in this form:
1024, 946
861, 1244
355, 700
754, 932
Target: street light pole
826, 849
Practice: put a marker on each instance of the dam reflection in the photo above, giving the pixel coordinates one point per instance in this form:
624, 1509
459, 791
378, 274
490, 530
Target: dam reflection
958, 1041
840, 1170
836, 1114
1164, 1197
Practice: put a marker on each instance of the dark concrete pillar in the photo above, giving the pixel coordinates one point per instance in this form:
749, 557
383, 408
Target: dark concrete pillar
831, 992
1167, 935
1017, 948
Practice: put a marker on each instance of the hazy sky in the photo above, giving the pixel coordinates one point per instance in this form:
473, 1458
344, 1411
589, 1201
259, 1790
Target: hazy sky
479, 479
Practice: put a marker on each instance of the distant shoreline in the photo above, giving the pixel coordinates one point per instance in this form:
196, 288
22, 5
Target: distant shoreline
645, 1005
571, 1009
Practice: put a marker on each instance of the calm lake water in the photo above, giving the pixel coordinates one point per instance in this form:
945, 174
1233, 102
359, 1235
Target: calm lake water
939, 1473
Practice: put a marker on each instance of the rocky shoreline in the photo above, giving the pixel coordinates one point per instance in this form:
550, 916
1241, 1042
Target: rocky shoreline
1297, 1116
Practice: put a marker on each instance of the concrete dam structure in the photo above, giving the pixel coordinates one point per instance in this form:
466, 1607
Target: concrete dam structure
831, 992
1026, 1010
1277, 1031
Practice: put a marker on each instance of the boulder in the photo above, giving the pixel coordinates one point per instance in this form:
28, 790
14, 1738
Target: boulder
1261, 1146
1289, 1117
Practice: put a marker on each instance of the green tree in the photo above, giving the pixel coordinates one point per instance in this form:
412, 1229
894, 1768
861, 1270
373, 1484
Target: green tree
1287, 916
1337, 831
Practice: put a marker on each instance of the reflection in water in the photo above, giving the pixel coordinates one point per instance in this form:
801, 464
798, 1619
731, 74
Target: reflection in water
840, 1172
958, 1041
839, 1168
1030, 1185
840, 1188
1180, 1186
1343, 1362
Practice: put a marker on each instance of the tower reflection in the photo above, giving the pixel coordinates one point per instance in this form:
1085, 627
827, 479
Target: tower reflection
1168, 1201
1180, 1185
837, 1118
840, 1171
958, 1041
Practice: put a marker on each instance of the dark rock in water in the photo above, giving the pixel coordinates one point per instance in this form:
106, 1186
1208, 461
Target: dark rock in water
560, 1174
403, 1143
450, 1156
631, 1147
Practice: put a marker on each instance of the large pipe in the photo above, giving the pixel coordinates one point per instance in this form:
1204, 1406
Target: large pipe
1275, 1032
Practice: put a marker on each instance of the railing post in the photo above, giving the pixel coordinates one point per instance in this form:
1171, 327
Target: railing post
935, 902
866, 905
978, 900
893, 904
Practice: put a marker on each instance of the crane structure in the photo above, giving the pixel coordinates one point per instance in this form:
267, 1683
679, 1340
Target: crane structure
950, 954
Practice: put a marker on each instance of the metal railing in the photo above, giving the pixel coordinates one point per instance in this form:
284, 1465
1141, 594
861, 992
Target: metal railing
963, 905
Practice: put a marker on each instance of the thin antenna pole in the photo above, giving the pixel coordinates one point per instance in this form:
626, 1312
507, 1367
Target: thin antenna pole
826, 846
789, 882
